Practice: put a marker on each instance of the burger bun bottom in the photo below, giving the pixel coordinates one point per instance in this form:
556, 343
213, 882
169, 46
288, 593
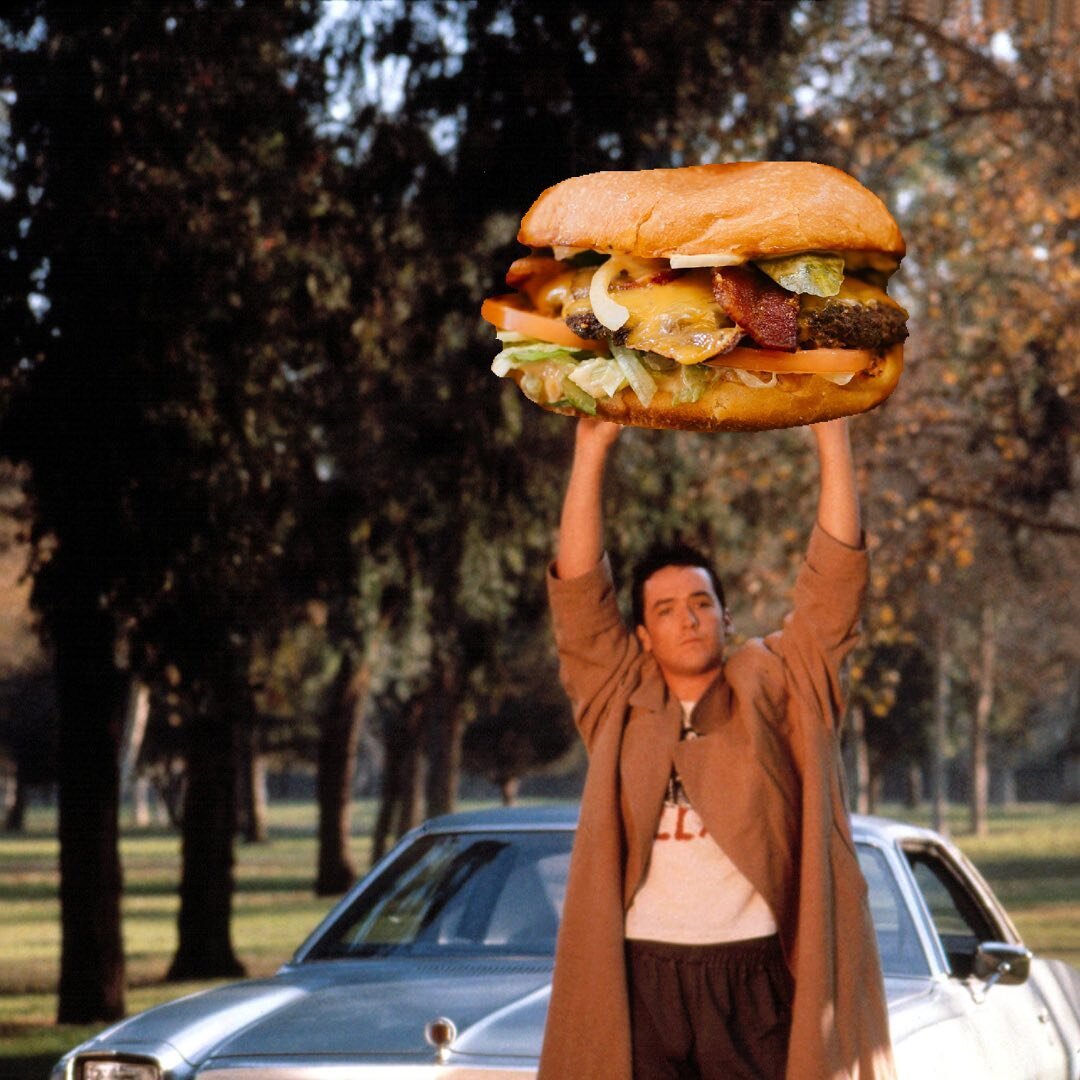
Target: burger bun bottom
729, 405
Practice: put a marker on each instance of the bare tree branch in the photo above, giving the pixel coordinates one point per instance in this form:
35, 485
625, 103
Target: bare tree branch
1003, 512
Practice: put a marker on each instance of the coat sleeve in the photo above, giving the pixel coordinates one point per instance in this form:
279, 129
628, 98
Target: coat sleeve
595, 648
824, 624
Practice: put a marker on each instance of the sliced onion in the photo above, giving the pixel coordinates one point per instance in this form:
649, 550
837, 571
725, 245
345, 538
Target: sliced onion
561, 252
610, 314
719, 258
839, 379
748, 378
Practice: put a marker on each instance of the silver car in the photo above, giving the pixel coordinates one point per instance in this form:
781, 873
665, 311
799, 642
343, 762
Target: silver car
438, 965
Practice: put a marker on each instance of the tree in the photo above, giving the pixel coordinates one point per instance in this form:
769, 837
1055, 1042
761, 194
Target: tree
165, 217
895, 691
966, 127
521, 737
498, 99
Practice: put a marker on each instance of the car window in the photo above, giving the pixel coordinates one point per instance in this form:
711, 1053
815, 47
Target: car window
897, 938
461, 893
959, 918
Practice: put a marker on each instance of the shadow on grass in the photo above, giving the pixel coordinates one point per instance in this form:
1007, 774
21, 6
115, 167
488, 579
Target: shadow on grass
28, 1052
35, 1067
267, 883
1017, 882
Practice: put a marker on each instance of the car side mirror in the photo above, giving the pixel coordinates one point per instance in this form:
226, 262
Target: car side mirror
1000, 962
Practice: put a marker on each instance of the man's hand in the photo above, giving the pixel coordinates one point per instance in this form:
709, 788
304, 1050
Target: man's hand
838, 499
593, 434
581, 539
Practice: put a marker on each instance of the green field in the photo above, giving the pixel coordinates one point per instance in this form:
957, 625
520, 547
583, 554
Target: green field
1031, 858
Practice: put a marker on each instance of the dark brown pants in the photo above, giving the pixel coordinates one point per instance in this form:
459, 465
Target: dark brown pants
709, 1012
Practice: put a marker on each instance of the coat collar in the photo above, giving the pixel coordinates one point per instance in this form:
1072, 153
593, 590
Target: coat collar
713, 707
652, 694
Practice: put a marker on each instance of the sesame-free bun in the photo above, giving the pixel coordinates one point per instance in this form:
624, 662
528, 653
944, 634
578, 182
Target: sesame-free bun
744, 210
728, 405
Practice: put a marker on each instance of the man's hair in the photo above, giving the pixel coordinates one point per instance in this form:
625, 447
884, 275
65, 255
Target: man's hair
656, 558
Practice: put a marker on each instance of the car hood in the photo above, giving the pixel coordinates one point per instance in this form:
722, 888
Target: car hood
352, 1010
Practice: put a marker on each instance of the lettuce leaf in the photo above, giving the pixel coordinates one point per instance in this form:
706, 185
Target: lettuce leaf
641, 382
695, 381
600, 377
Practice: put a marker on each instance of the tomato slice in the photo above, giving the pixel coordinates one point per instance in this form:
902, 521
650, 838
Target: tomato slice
507, 313
801, 362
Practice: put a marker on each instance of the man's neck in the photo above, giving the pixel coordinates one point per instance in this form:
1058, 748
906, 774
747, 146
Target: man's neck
691, 687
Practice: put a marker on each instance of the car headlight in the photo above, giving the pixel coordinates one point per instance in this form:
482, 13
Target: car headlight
117, 1069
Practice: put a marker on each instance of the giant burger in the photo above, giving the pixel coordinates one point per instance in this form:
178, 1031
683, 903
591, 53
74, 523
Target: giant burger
733, 297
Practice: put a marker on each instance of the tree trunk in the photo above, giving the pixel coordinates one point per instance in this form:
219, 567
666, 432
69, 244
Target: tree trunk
339, 739
1008, 787
15, 808
91, 985
914, 785
980, 723
398, 798
445, 728
410, 808
141, 793
254, 826
205, 949
388, 799
171, 781
860, 759
136, 717
939, 746
873, 792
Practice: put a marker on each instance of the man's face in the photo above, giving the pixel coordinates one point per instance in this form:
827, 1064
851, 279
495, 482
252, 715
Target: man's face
685, 627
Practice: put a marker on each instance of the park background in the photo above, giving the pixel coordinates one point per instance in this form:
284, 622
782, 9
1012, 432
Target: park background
273, 537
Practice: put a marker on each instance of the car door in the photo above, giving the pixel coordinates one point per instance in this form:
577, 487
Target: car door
1010, 1023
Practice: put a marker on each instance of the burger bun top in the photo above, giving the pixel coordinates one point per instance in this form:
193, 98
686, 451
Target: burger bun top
736, 212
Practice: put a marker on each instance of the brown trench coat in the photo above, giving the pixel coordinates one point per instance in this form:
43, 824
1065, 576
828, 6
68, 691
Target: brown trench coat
765, 779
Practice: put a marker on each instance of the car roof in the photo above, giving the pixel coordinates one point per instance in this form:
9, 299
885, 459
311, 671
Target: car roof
870, 827
565, 816
548, 816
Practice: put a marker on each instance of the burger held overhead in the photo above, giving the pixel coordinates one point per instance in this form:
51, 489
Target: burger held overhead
735, 297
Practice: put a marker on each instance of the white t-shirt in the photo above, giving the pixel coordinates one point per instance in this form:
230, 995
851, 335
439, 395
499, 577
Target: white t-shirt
693, 894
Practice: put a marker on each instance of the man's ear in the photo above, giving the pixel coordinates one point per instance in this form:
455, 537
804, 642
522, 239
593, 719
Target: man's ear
643, 637
729, 623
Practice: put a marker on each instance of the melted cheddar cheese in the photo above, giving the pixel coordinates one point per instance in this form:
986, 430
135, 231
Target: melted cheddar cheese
853, 290
679, 319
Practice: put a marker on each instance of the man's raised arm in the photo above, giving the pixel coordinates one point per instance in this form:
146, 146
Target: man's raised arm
581, 532
838, 497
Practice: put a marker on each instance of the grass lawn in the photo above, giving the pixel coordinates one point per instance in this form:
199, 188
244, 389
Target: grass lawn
1031, 858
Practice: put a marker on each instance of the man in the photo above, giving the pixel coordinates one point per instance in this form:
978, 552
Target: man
715, 922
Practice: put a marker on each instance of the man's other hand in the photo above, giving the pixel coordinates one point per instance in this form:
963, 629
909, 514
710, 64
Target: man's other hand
596, 434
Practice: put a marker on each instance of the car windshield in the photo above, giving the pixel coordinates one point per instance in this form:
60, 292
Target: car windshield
459, 893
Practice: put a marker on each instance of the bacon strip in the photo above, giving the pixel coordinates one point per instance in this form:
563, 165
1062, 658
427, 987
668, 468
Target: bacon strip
764, 310
529, 266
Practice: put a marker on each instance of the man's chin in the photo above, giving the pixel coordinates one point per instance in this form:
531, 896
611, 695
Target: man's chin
706, 665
